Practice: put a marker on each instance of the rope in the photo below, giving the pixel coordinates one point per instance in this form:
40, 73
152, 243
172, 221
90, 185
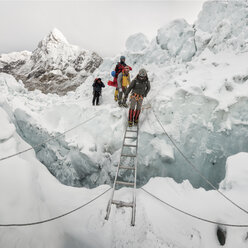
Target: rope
67, 213
194, 167
191, 215
46, 141
57, 217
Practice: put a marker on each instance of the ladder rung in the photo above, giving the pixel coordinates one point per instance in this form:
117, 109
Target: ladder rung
127, 167
125, 183
134, 131
127, 155
128, 137
122, 204
129, 145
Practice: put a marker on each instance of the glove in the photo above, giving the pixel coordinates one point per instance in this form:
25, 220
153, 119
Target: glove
120, 90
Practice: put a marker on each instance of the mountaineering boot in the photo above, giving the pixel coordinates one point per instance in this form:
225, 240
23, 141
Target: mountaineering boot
136, 122
130, 117
120, 104
130, 123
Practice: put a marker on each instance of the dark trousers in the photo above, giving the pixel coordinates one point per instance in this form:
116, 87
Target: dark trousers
96, 97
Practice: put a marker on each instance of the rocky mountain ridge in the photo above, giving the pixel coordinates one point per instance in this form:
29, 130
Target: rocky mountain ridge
55, 66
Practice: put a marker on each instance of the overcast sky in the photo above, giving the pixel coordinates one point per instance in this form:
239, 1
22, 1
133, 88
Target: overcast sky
102, 26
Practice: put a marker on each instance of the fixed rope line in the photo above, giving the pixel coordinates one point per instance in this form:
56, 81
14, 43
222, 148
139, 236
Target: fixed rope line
191, 215
46, 141
57, 217
193, 166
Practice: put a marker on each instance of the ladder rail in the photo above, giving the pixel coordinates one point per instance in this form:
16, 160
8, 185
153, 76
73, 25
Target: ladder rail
135, 163
116, 175
135, 179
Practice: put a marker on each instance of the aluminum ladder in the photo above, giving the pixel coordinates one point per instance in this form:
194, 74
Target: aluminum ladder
131, 134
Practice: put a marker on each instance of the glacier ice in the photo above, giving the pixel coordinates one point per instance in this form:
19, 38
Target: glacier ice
178, 39
86, 157
202, 104
137, 42
224, 23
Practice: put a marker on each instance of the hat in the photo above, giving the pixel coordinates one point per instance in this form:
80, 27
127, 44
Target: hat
97, 79
142, 73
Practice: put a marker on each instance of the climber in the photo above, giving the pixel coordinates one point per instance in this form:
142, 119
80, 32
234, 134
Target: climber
97, 90
123, 81
118, 69
140, 87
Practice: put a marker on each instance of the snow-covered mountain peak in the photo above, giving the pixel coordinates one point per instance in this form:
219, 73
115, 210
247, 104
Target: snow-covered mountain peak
14, 56
57, 35
55, 44
55, 66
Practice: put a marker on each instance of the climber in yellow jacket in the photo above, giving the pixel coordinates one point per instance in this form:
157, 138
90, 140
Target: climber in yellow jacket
123, 81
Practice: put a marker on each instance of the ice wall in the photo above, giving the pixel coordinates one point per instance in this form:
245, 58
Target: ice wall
222, 25
191, 120
65, 161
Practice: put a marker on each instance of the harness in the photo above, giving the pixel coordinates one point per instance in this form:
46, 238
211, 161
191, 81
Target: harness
136, 96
